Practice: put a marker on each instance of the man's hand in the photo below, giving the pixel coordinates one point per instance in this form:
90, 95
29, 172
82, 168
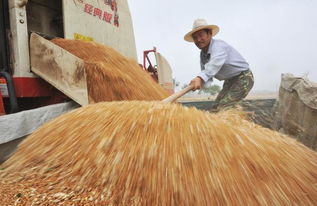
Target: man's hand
197, 82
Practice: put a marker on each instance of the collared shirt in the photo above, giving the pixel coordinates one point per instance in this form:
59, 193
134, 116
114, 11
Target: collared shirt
221, 61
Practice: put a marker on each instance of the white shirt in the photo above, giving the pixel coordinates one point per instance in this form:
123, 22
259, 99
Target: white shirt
221, 61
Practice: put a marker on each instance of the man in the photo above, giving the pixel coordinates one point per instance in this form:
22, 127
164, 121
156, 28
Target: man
221, 61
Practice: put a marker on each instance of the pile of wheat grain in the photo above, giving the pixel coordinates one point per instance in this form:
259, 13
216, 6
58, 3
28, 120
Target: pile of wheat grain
149, 153
111, 76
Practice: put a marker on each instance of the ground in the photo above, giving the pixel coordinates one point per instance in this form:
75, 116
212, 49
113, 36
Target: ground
260, 106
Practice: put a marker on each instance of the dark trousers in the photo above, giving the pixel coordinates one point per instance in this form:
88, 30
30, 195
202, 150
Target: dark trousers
233, 91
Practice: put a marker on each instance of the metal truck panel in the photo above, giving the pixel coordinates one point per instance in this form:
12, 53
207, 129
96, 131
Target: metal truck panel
60, 68
19, 40
164, 71
102, 21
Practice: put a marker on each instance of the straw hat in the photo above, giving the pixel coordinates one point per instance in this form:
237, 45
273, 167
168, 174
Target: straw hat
200, 24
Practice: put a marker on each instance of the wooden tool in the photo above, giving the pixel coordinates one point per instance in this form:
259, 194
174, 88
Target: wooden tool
177, 95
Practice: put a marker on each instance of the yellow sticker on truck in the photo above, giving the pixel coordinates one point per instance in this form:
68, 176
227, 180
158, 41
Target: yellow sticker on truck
82, 37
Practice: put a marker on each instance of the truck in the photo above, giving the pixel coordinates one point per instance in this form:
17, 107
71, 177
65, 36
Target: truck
30, 97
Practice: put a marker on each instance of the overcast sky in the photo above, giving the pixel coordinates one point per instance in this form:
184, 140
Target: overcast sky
274, 36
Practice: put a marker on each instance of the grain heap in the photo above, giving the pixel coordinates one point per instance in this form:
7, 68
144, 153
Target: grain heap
111, 76
149, 153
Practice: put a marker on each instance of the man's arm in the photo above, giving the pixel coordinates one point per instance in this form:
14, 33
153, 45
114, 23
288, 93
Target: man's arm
211, 68
197, 82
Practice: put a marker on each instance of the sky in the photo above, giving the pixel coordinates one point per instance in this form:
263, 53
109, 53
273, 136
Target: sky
274, 36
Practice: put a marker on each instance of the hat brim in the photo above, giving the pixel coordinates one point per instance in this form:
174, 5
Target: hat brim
188, 37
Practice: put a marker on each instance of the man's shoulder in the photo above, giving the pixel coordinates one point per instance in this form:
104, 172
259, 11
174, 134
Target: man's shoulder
220, 42
218, 45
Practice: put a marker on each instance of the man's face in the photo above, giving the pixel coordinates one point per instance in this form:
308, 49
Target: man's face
202, 39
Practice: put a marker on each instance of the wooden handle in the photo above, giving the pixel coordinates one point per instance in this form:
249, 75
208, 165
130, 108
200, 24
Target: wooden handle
177, 95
